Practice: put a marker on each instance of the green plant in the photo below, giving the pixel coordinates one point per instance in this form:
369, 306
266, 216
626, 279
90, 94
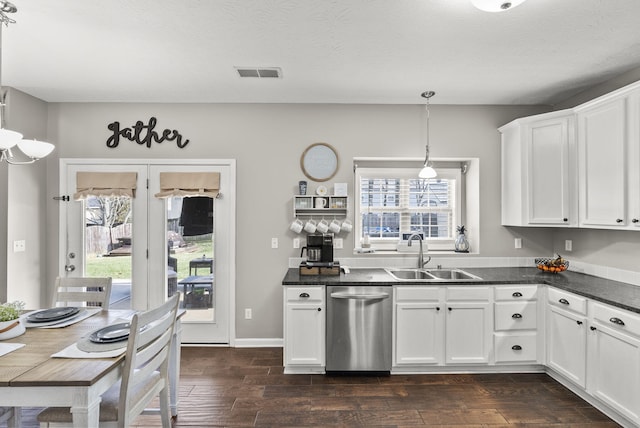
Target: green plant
11, 311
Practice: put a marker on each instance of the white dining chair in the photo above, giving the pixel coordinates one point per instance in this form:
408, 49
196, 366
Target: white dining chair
84, 290
144, 375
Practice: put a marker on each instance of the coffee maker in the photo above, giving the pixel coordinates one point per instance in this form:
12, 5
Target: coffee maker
319, 250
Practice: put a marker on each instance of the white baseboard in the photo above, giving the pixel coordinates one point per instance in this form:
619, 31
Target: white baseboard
259, 343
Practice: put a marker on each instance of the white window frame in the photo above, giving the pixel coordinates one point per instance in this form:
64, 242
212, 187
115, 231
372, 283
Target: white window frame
405, 173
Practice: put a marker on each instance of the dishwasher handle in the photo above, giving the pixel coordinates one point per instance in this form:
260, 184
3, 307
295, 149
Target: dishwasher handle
364, 296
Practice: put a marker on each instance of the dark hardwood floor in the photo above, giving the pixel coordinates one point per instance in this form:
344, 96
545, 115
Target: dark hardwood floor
233, 387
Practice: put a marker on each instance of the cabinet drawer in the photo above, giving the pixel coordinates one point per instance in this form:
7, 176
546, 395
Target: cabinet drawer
515, 347
568, 301
417, 293
617, 318
305, 294
517, 293
516, 316
468, 293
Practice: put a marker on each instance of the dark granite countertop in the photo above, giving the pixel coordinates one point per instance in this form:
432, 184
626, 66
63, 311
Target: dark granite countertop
620, 294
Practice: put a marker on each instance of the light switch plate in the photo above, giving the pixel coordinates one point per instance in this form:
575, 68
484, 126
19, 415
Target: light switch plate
296, 242
274, 242
337, 243
19, 246
518, 243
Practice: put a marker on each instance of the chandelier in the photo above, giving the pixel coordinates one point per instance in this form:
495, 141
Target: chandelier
33, 149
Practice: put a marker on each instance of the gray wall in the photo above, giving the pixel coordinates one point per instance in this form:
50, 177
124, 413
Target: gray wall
24, 216
267, 141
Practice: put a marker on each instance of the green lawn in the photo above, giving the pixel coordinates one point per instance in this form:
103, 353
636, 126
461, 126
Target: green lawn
120, 267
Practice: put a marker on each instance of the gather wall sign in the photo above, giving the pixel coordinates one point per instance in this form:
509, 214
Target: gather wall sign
143, 134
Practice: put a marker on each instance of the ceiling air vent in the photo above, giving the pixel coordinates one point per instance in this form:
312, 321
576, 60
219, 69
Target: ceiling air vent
264, 72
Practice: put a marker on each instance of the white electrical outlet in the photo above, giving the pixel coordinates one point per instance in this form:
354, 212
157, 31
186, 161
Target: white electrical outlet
518, 243
296, 242
19, 246
274, 242
337, 243
247, 314
568, 245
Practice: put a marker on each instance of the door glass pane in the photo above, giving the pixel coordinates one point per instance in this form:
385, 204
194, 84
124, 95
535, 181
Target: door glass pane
191, 262
108, 244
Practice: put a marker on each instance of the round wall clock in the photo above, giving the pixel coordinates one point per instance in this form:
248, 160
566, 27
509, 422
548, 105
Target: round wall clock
319, 162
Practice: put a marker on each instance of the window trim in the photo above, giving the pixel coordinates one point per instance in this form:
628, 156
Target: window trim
406, 170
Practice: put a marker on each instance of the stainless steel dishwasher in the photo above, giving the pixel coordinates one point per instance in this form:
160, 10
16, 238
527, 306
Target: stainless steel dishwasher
359, 329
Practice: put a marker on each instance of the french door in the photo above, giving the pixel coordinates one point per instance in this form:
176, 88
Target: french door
156, 246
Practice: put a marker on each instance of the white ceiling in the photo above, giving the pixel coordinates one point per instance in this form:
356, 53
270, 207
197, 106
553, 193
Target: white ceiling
330, 51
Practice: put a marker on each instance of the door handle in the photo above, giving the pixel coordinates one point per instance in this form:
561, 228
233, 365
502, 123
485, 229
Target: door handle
369, 296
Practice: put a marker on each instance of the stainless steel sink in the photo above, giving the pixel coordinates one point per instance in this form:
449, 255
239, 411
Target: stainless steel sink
432, 275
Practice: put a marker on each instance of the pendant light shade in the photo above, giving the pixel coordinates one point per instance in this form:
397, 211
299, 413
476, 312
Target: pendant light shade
496, 5
427, 170
33, 149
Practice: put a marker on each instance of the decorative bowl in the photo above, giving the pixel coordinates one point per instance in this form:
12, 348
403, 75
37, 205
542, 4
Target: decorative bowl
552, 265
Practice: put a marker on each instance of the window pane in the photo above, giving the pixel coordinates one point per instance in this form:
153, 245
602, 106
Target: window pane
381, 225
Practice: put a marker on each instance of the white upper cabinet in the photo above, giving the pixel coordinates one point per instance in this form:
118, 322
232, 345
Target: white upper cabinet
539, 171
578, 167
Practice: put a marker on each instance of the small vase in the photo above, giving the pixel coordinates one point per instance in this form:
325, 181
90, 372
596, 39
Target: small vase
461, 244
11, 329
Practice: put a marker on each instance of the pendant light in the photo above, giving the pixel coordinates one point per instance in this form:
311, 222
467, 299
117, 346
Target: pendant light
496, 5
9, 139
427, 170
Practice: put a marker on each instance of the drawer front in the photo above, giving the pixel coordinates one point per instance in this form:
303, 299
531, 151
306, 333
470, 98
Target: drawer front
617, 318
516, 316
417, 293
305, 294
468, 293
568, 301
515, 348
512, 294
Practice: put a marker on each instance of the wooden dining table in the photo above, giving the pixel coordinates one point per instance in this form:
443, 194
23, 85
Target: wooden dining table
31, 377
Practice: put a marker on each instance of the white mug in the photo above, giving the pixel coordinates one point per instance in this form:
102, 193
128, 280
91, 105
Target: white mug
323, 226
334, 226
297, 225
320, 203
347, 226
310, 226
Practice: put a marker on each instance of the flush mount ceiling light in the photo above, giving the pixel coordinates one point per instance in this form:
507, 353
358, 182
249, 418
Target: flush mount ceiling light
9, 139
427, 170
496, 5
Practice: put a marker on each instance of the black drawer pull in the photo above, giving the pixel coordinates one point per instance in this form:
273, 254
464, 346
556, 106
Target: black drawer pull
517, 294
516, 348
593, 328
616, 321
304, 295
579, 322
564, 301
516, 316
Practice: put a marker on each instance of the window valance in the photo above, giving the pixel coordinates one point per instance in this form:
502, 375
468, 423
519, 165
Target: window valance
189, 184
105, 184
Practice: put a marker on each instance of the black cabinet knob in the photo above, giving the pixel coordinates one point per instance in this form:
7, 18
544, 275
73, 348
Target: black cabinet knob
635, 220
619, 220
565, 219
319, 309
616, 321
437, 308
593, 328
579, 322
449, 309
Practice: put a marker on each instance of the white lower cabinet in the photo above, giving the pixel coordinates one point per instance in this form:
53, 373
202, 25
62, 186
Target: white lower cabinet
304, 329
515, 337
468, 325
614, 359
418, 326
567, 343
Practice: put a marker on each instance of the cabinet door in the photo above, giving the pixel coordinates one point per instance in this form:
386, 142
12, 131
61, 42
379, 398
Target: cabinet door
602, 139
304, 335
551, 165
567, 344
419, 331
468, 333
615, 370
